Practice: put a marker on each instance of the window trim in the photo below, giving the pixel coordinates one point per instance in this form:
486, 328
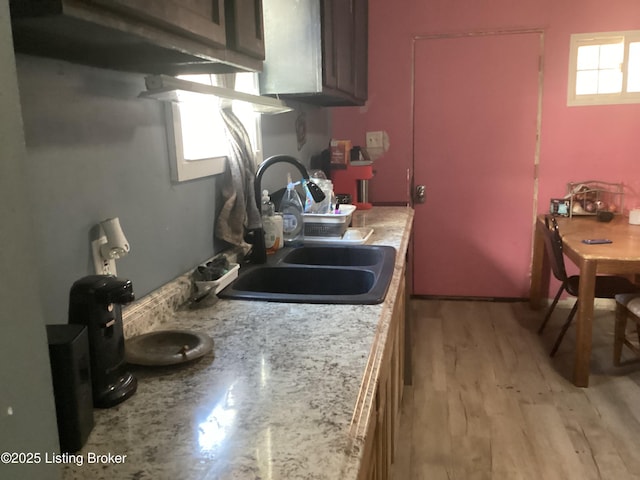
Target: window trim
601, 38
185, 169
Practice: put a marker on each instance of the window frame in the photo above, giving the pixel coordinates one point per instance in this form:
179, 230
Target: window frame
184, 169
602, 38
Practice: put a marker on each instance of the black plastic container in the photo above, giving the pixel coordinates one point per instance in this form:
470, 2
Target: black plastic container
71, 374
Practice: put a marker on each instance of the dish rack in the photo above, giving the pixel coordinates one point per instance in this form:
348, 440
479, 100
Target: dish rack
593, 196
328, 224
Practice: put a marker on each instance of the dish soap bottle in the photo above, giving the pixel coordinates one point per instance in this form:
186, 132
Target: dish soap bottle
292, 211
271, 224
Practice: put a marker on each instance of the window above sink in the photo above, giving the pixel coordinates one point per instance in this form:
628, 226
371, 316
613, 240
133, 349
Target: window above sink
196, 133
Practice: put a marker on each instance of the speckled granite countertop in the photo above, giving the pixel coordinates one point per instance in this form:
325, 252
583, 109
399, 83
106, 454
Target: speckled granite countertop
284, 395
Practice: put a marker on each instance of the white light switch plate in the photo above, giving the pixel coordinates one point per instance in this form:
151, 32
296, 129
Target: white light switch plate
375, 139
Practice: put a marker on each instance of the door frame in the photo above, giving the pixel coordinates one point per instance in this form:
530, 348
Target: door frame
536, 159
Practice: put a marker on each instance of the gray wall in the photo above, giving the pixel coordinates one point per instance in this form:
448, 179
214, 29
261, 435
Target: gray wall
95, 151
279, 132
27, 414
279, 137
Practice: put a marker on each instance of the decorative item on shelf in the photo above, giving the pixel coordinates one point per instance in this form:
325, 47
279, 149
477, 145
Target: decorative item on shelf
340, 153
595, 197
560, 206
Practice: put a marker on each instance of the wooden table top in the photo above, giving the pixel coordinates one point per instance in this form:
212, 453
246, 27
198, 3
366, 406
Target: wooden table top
620, 256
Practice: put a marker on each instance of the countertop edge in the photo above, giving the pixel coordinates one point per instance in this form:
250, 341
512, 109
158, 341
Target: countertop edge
362, 415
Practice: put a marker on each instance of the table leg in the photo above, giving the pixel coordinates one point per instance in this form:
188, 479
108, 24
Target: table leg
584, 323
537, 266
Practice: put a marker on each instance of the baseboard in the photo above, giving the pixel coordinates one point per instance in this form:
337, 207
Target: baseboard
598, 303
455, 298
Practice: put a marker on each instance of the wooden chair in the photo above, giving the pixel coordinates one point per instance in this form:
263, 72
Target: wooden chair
607, 286
627, 308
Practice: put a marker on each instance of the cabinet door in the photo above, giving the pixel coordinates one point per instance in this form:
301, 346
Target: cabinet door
360, 48
345, 46
199, 19
383, 432
329, 67
343, 31
245, 31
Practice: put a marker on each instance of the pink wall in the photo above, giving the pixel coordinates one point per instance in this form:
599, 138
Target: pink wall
577, 143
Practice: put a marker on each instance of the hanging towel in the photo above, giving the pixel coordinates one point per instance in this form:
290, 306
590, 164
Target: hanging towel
239, 210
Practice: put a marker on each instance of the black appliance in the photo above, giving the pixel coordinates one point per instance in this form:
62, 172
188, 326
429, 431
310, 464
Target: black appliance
71, 374
95, 301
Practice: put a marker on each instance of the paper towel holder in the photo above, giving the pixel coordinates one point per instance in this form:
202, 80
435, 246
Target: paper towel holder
110, 245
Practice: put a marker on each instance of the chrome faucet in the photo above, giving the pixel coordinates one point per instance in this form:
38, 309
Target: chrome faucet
258, 252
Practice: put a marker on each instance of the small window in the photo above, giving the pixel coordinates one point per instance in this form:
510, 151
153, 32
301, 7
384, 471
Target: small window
604, 68
198, 143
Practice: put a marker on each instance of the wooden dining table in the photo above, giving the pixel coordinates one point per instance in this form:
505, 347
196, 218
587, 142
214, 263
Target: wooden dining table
621, 257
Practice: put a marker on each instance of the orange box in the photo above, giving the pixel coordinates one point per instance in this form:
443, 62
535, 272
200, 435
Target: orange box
340, 152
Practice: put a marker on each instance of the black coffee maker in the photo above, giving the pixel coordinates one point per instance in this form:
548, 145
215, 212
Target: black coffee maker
95, 301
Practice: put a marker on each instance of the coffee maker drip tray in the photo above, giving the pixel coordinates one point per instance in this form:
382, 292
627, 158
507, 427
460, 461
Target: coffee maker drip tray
167, 347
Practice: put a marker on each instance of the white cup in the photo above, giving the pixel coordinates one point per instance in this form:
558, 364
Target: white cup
352, 235
634, 216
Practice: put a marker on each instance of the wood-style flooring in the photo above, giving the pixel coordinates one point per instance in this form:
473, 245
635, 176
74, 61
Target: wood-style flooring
487, 401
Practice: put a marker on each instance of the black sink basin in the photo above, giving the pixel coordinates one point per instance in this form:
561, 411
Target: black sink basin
337, 256
319, 274
307, 281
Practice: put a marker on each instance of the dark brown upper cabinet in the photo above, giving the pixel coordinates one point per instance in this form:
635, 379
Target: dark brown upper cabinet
148, 36
245, 31
343, 44
316, 51
202, 20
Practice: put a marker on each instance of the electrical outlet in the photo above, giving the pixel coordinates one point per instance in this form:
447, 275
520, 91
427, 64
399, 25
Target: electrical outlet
102, 266
375, 139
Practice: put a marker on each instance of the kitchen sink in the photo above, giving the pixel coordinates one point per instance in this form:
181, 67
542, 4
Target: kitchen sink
307, 281
318, 274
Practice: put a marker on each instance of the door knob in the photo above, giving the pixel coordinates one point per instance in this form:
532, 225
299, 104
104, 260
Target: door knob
420, 194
